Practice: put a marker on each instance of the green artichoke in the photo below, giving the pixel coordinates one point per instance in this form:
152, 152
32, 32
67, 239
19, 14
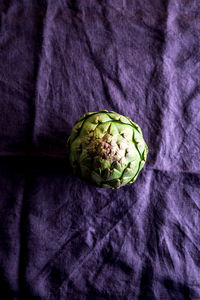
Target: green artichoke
107, 149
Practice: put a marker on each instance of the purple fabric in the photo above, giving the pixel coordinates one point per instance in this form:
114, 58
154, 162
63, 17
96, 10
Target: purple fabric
61, 238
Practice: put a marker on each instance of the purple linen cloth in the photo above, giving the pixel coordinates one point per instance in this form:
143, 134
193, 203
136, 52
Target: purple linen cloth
62, 238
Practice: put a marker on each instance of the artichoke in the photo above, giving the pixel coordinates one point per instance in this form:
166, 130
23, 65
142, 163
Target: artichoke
107, 149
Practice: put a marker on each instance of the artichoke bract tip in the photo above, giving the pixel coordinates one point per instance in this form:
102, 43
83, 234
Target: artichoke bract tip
107, 149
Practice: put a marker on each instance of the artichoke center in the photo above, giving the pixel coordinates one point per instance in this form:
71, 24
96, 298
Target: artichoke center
101, 148
107, 149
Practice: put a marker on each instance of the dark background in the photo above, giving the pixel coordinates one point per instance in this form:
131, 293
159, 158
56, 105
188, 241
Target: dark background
61, 238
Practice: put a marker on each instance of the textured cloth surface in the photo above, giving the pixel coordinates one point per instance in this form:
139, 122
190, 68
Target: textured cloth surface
61, 238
